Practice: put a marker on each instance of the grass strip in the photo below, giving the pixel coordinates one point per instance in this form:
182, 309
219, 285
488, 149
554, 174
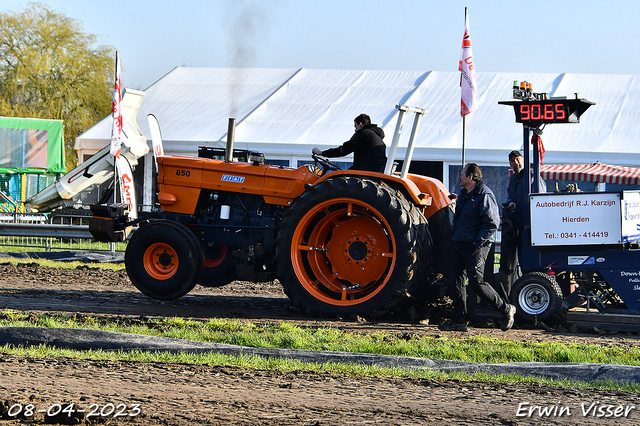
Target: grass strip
248, 362
46, 263
290, 336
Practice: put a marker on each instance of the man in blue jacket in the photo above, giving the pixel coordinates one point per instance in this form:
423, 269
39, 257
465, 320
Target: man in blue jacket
516, 206
366, 144
475, 224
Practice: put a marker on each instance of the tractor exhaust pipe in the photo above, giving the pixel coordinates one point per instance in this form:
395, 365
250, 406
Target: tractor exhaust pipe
231, 134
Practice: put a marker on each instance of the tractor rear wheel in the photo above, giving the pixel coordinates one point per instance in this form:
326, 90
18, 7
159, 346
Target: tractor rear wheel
537, 297
348, 246
163, 260
218, 269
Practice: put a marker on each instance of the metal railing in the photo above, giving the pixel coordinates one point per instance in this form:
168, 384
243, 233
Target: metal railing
33, 231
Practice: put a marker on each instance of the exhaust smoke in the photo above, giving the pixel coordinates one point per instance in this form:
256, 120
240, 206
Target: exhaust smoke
246, 27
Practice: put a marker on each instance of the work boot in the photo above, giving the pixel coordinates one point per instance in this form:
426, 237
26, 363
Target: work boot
509, 318
452, 326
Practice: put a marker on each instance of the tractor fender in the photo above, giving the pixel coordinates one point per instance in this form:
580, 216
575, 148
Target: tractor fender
423, 191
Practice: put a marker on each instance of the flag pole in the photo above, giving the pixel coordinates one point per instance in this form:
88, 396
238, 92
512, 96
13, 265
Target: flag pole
464, 117
469, 90
115, 163
464, 122
116, 126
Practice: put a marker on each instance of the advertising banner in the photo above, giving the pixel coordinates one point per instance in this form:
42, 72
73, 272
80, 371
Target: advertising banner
630, 216
576, 219
127, 189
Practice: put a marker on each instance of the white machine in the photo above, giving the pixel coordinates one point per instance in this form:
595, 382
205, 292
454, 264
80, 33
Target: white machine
100, 167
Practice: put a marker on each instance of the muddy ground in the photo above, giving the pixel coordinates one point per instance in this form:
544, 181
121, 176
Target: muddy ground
177, 394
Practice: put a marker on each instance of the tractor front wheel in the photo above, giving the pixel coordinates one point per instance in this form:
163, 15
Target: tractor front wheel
163, 260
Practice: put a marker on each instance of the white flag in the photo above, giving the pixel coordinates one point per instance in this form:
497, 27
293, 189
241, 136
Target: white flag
116, 128
469, 101
127, 190
156, 138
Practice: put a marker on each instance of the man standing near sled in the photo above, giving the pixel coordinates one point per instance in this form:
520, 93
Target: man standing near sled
475, 224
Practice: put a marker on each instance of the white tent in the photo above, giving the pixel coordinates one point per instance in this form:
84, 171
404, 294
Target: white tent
284, 113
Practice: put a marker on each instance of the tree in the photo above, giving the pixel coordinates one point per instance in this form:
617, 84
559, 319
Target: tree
50, 68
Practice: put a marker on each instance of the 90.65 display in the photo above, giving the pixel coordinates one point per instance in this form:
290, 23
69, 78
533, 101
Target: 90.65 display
555, 110
537, 109
543, 112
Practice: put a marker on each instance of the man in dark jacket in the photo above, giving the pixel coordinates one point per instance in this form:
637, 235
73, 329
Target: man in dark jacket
366, 144
475, 224
515, 190
516, 207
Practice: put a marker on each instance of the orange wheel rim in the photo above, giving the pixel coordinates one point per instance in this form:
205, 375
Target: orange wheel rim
216, 261
343, 251
160, 261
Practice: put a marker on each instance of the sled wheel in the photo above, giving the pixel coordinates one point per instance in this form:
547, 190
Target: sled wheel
537, 297
163, 260
347, 246
218, 269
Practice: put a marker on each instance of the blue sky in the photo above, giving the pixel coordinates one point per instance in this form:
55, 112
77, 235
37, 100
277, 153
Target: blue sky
155, 36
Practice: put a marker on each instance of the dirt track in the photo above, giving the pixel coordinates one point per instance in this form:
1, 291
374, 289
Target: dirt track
186, 394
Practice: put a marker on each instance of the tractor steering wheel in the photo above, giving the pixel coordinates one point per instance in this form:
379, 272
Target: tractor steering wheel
327, 166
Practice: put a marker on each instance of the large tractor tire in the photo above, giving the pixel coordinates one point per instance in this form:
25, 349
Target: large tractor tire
218, 268
434, 278
163, 260
440, 227
350, 246
537, 297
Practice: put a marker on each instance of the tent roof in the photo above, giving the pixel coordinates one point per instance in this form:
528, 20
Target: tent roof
592, 173
285, 112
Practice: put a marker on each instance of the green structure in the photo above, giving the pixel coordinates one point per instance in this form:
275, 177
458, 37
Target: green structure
31, 157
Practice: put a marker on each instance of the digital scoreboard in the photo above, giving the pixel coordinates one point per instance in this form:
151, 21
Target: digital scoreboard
553, 110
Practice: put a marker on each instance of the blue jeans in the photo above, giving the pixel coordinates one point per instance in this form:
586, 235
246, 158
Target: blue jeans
469, 263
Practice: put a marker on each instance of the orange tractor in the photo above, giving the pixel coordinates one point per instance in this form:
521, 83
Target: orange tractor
340, 242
